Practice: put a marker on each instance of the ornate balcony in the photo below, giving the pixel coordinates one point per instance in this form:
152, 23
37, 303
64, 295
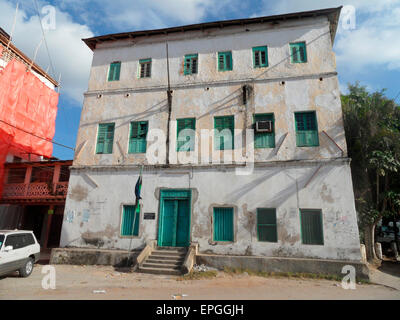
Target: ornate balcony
51, 191
39, 190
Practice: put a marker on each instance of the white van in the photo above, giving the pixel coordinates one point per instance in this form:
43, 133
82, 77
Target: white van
19, 250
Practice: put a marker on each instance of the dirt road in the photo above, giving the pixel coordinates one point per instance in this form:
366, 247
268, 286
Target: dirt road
80, 282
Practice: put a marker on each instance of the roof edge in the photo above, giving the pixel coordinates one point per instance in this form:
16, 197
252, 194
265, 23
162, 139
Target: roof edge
333, 15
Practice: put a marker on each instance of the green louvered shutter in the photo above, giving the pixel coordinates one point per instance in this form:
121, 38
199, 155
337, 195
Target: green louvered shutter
223, 224
298, 52
105, 138
138, 137
191, 61
220, 124
306, 129
311, 227
260, 57
266, 225
128, 217
225, 61
113, 73
264, 139
182, 124
144, 68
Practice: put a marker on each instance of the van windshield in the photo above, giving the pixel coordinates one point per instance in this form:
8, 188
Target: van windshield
1, 240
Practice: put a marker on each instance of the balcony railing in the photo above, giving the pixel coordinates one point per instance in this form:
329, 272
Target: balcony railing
35, 190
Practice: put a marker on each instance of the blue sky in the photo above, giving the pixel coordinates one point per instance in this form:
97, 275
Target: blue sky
369, 53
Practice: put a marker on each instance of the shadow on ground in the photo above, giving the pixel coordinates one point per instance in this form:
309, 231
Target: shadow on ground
390, 267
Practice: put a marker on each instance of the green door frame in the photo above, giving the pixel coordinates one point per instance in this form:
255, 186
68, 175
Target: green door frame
173, 194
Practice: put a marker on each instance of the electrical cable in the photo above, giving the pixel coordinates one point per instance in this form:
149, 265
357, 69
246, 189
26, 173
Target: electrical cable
44, 37
48, 140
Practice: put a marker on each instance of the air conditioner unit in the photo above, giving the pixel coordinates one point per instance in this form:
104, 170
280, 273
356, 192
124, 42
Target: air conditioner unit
264, 126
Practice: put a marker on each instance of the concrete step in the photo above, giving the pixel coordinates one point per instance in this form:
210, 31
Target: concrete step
175, 266
164, 261
168, 271
168, 254
181, 249
183, 252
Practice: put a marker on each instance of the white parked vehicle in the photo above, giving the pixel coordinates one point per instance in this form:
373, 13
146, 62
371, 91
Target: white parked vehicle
19, 250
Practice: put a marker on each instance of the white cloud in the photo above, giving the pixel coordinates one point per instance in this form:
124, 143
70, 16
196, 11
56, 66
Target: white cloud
70, 56
286, 6
374, 42
144, 14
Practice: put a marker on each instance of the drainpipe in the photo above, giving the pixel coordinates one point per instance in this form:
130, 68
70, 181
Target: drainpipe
169, 99
247, 96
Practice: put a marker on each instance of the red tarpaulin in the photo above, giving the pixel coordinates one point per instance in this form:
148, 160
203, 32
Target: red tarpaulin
25, 103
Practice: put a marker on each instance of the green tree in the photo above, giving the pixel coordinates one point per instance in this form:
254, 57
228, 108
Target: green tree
372, 126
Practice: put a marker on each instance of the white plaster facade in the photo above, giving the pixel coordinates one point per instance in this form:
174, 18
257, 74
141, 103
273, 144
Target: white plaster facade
286, 177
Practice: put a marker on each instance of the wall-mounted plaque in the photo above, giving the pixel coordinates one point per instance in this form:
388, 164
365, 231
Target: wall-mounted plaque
149, 215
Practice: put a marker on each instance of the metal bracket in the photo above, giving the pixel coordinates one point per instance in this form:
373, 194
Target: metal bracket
284, 137
312, 177
333, 142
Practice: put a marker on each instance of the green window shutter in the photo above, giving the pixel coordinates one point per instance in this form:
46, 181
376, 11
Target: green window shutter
105, 138
138, 137
191, 61
223, 224
226, 142
306, 129
144, 68
266, 225
183, 124
298, 52
311, 227
128, 217
114, 71
260, 57
225, 61
264, 139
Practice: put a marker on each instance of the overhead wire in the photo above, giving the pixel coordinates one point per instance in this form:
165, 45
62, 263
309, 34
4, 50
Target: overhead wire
48, 140
44, 37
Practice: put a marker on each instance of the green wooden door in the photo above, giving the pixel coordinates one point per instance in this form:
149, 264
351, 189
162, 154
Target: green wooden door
168, 222
183, 223
174, 226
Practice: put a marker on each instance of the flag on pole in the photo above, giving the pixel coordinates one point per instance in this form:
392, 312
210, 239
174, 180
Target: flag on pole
138, 187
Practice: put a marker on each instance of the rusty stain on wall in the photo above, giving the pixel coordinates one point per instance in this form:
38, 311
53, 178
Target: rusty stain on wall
326, 194
98, 238
78, 192
284, 235
249, 221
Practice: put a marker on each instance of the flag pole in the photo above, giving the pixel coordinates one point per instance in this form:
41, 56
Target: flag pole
137, 202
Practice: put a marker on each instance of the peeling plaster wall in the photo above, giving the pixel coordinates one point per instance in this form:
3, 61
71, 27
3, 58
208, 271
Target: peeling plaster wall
101, 184
211, 93
94, 221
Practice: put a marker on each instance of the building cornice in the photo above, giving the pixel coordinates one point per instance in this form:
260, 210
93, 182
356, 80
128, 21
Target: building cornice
209, 84
282, 163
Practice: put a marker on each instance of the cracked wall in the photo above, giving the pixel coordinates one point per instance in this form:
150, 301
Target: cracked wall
285, 187
282, 88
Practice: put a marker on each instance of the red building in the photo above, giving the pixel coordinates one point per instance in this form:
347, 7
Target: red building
33, 198
33, 186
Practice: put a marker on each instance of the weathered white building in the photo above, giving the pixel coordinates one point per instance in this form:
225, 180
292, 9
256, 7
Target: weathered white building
294, 200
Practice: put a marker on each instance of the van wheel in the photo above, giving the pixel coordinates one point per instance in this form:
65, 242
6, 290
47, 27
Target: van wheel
26, 270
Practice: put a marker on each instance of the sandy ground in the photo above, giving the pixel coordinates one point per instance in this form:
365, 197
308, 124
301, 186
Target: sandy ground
80, 282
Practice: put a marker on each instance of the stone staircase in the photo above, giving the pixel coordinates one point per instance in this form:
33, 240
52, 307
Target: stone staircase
164, 260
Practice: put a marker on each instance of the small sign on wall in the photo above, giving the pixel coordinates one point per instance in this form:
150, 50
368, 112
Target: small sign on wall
149, 215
